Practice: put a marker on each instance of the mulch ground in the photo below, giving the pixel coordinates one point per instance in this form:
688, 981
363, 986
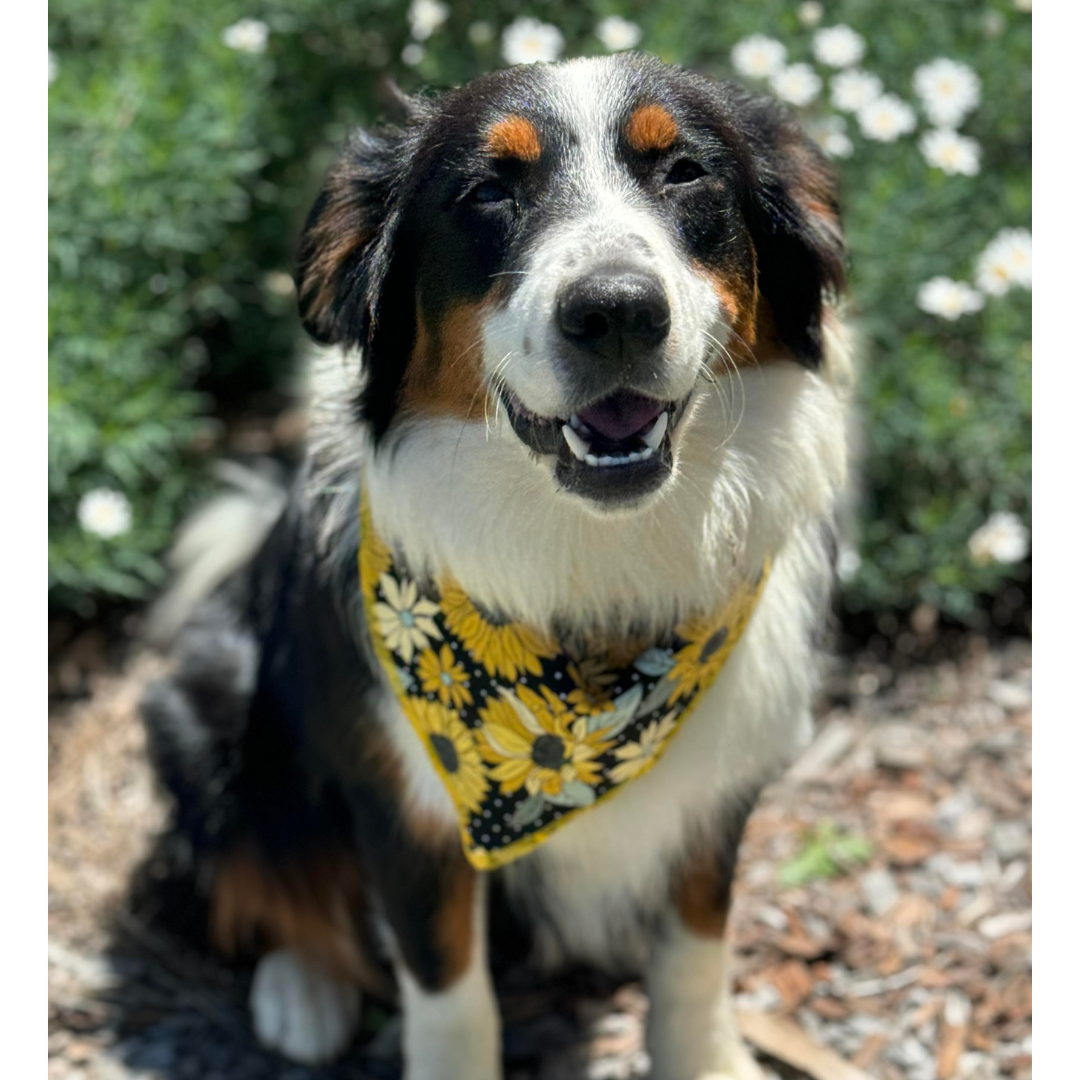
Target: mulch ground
882, 922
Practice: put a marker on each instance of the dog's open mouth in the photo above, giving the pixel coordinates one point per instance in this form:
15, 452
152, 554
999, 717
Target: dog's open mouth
615, 450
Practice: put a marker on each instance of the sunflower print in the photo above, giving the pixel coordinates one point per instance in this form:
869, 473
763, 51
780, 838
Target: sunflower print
440, 674
527, 729
537, 744
710, 643
453, 746
636, 757
506, 649
593, 682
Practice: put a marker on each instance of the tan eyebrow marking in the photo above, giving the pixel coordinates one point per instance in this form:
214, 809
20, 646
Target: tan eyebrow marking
651, 127
514, 137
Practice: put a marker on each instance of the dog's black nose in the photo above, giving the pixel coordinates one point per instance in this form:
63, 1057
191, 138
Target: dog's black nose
615, 313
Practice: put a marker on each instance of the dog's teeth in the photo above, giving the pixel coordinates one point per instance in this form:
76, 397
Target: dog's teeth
591, 459
647, 453
575, 422
635, 456
578, 446
656, 433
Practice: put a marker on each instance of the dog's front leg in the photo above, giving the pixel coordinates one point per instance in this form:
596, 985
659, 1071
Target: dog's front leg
436, 908
691, 1032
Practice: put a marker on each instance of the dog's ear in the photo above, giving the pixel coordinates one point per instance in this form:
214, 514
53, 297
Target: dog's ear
346, 239
794, 221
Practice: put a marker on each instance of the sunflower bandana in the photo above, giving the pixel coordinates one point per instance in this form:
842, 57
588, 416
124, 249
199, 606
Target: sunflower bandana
528, 730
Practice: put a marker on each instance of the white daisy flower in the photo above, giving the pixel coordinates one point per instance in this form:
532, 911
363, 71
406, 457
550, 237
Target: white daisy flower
636, 757
616, 33
1002, 539
948, 299
848, 561
954, 154
105, 513
798, 84
481, 33
810, 13
426, 16
853, 89
758, 56
838, 145
54, 67
830, 133
1005, 262
412, 54
948, 90
405, 620
247, 35
279, 283
529, 41
886, 118
838, 46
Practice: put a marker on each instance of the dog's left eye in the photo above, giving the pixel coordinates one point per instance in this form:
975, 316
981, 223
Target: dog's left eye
490, 191
684, 171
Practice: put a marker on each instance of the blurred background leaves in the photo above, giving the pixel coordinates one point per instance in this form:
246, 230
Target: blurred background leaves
183, 155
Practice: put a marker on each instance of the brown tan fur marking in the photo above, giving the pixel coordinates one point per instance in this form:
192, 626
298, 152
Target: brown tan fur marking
701, 896
740, 300
650, 128
444, 376
454, 923
315, 908
337, 234
514, 137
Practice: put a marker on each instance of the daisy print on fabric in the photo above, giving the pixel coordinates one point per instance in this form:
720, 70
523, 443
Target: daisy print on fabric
635, 757
404, 617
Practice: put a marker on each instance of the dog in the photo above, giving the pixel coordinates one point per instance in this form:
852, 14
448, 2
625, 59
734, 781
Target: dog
542, 611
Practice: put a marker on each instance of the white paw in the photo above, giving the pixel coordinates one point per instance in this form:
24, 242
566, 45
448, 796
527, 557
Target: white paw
300, 1011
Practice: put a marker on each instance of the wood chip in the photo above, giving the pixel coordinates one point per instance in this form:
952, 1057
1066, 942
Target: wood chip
906, 849
868, 1053
785, 1040
794, 982
950, 1047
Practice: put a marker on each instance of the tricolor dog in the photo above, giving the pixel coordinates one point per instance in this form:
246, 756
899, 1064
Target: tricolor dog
538, 618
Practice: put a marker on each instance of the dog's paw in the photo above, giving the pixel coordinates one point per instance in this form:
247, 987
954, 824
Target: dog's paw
301, 1012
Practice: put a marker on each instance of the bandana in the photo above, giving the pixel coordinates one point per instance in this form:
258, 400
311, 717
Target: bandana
526, 728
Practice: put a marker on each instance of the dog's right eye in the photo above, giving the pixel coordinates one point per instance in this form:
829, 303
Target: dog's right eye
490, 191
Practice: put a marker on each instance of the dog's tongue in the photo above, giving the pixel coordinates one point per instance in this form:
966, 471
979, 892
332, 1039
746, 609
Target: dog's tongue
621, 415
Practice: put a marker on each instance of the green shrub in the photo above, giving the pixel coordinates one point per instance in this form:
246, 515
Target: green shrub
180, 169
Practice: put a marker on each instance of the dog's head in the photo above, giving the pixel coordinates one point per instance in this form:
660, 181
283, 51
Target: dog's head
586, 245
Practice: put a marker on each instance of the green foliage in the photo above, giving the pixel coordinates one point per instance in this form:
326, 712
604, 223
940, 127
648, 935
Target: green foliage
180, 170
826, 853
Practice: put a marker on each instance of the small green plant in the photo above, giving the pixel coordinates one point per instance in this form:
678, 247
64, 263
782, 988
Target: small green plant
827, 853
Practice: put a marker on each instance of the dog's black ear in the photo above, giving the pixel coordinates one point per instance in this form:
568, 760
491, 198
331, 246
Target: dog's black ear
794, 220
346, 239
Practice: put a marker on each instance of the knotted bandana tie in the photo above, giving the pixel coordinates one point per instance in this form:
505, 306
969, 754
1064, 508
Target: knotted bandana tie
527, 729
